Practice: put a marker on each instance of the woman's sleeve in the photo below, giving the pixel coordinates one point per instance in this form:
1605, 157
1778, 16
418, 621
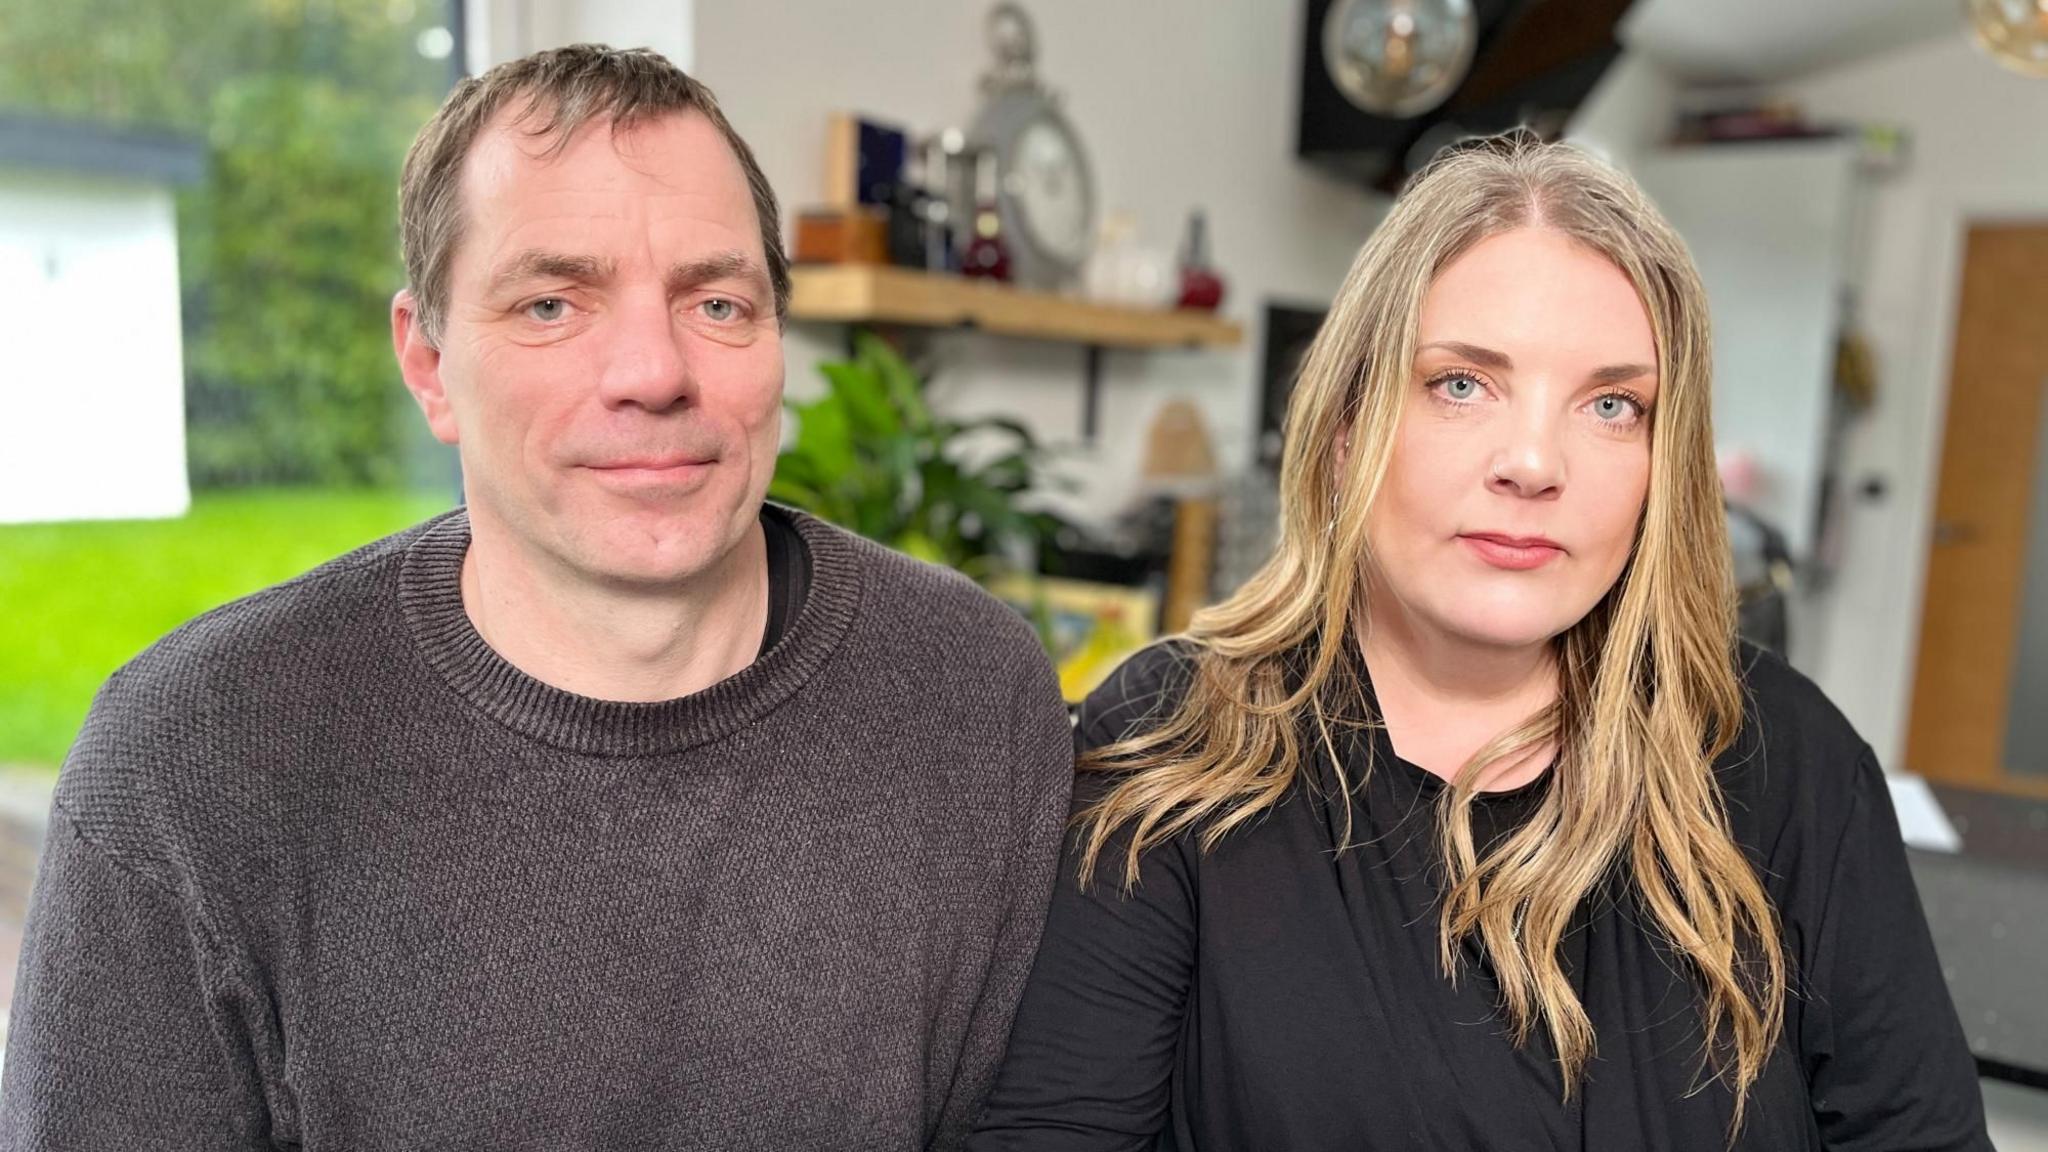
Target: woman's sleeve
1885, 1056
1092, 1053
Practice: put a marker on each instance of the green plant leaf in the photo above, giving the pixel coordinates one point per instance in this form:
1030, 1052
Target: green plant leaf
866, 400
824, 433
870, 456
783, 490
921, 546
899, 383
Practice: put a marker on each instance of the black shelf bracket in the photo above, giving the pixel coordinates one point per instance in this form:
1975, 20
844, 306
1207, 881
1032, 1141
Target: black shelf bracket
1091, 391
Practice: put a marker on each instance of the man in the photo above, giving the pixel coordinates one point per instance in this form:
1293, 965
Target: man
619, 810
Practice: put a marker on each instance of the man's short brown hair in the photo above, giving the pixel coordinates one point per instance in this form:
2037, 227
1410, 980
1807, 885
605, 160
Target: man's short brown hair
563, 89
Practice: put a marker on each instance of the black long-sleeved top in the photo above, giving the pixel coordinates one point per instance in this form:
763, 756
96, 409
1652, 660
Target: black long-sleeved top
1275, 993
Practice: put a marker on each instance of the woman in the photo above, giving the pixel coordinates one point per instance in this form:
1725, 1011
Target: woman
1466, 823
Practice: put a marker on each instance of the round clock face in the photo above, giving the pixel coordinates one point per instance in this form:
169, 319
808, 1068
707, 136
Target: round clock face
1050, 183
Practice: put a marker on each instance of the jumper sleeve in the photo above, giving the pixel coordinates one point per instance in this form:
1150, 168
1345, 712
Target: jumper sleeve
127, 1026
1043, 779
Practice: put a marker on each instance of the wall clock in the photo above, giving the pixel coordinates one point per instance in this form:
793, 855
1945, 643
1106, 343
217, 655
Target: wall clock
1046, 191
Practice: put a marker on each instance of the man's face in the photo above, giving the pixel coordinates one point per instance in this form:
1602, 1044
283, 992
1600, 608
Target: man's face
610, 366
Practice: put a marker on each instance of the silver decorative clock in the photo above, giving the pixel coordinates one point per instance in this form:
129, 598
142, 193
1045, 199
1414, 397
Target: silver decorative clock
1045, 192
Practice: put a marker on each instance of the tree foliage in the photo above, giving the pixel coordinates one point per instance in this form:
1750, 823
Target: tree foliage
288, 250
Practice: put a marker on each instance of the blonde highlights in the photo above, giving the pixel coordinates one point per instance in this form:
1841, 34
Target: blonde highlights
1648, 691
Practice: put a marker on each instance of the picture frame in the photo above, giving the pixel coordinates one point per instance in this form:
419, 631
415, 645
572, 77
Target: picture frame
1089, 628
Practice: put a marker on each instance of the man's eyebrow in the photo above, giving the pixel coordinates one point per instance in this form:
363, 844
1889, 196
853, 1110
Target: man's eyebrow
534, 264
721, 266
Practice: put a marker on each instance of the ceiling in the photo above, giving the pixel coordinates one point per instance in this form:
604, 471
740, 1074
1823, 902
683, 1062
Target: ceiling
1747, 41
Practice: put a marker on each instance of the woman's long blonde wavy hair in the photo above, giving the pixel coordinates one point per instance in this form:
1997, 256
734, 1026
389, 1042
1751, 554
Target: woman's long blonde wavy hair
1648, 690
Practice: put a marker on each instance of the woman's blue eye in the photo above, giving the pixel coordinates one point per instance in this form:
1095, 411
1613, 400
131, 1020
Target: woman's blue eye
548, 309
1613, 407
1461, 387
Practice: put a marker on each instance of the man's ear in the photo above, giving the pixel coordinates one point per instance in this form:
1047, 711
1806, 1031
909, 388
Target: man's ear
419, 362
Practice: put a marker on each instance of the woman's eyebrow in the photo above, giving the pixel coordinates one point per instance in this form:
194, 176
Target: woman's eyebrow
1484, 357
1623, 373
1500, 362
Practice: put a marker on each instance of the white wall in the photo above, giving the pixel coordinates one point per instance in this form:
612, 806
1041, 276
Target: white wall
92, 386
1972, 127
1975, 145
501, 30
1629, 112
1768, 227
1180, 105
1774, 281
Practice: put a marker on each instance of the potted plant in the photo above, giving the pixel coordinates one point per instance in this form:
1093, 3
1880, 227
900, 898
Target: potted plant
872, 457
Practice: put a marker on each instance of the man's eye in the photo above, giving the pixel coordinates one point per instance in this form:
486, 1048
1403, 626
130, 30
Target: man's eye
550, 309
720, 309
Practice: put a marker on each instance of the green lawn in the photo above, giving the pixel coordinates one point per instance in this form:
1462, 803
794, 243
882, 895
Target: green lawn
78, 599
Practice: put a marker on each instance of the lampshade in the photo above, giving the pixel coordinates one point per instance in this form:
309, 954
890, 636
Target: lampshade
2013, 32
1178, 454
1399, 58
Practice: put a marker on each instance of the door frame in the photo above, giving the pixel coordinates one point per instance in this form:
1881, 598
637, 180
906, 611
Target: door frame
1949, 220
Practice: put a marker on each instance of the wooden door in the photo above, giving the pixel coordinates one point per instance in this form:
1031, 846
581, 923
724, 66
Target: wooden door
1976, 571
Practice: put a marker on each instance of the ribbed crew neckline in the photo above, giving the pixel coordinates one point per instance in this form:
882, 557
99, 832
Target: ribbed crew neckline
430, 595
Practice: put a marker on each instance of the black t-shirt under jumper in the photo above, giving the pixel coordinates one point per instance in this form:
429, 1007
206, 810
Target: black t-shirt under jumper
789, 573
1275, 993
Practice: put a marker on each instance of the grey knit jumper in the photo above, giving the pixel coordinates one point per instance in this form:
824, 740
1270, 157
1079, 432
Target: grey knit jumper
324, 871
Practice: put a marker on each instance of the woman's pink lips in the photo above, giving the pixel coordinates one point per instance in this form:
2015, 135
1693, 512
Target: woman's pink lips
1515, 553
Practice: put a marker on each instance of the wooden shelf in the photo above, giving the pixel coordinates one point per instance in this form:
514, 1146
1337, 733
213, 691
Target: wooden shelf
872, 294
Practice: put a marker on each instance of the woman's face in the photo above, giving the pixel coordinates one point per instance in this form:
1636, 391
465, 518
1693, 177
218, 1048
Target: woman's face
1522, 460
